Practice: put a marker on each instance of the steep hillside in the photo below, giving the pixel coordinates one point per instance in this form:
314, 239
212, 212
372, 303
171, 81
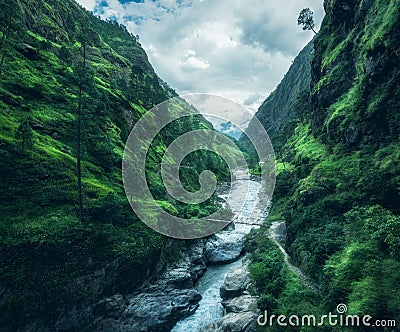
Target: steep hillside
277, 109
71, 88
339, 175
278, 112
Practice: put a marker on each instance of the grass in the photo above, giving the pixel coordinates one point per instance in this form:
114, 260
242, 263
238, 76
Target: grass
345, 106
305, 145
331, 55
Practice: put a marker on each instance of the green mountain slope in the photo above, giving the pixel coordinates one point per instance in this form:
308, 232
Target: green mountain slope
61, 66
339, 176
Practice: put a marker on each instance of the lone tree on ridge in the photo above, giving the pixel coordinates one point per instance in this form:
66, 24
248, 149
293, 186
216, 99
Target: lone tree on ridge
306, 19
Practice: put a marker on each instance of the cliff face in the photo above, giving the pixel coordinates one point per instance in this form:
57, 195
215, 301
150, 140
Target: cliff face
355, 73
278, 108
279, 112
338, 162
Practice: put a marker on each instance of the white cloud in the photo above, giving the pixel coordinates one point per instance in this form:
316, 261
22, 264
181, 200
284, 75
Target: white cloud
191, 61
88, 4
235, 48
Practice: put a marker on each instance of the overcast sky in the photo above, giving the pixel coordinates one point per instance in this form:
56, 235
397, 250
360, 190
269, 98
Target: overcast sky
239, 49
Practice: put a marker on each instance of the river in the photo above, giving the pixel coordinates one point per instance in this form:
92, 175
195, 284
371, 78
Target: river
210, 308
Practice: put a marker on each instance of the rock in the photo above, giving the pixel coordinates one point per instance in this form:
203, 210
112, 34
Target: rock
155, 311
278, 230
224, 248
37, 126
234, 322
240, 306
111, 306
242, 303
161, 302
235, 283
185, 272
180, 277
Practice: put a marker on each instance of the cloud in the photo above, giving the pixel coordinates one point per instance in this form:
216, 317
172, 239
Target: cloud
237, 49
88, 4
191, 61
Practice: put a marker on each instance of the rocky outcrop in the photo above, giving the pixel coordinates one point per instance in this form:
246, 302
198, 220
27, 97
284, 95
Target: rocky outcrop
234, 322
156, 310
235, 283
160, 303
240, 307
278, 108
244, 302
224, 247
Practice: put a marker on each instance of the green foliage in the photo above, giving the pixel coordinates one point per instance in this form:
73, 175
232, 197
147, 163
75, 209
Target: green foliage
280, 290
24, 135
65, 55
64, 58
338, 159
363, 272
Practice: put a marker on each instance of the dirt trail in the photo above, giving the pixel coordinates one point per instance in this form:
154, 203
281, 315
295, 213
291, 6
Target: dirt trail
277, 232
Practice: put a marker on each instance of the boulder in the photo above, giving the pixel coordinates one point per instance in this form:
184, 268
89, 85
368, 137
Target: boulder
224, 247
244, 302
154, 311
234, 322
180, 277
160, 311
235, 283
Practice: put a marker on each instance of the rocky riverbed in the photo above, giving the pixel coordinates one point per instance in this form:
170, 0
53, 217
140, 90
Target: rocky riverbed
158, 305
171, 296
240, 307
213, 300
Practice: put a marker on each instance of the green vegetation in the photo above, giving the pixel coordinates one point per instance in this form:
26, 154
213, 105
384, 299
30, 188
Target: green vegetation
280, 290
72, 86
338, 177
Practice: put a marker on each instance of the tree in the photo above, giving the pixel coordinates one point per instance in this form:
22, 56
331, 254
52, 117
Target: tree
82, 80
306, 19
64, 55
84, 77
10, 26
24, 134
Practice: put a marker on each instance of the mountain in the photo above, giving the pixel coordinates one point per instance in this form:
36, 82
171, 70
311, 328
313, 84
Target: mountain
338, 174
278, 113
277, 109
72, 86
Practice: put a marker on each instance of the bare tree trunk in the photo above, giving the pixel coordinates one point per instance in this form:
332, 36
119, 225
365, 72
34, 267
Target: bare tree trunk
79, 140
3, 56
313, 29
78, 156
